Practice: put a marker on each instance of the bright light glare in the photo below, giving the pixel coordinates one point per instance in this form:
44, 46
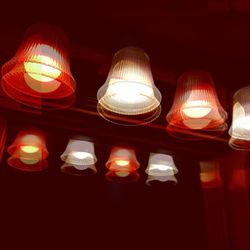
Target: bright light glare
29, 149
81, 155
196, 109
122, 163
160, 167
129, 92
43, 69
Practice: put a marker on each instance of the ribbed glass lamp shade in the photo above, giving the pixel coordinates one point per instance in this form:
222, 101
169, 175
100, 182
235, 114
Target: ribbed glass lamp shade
240, 128
196, 105
129, 94
28, 151
161, 167
210, 175
122, 165
39, 74
79, 157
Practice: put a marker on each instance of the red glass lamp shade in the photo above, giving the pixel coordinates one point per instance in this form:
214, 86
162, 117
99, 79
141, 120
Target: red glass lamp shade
28, 151
196, 105
129, 95
39, 74
122, 165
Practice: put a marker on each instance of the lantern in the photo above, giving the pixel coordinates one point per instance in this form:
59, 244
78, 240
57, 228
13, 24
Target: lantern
129, 95
122, 165
196, 105
39, 74
28, 151
79, 157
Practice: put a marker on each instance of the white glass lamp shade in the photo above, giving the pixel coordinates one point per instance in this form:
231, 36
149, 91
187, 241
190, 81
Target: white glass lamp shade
129, 89
240, 128
196, 105
79, 157
161, 167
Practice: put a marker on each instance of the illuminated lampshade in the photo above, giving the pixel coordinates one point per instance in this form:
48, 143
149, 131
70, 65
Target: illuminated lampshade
161, 168
210, 174
240, 128
79, 157
28, 151
196, 105
122, 165
240, 179
129, 94
39, 74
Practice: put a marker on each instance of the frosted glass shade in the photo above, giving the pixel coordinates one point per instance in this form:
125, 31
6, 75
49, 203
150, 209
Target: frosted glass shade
122, 164
240, 128
129, 90
161, 167
39, 74
196, 105
79, 157
28, 151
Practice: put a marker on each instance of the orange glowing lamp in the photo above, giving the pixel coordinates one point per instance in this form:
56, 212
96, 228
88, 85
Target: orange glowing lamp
39, 74
28, 151
122, 165
196, 105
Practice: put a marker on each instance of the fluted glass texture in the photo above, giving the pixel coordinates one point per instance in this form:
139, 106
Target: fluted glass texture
129, 88
196, 105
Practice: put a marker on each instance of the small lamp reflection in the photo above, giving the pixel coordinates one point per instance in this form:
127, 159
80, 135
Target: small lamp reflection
122, 165
240, 179
161, 168
79, 157
28, 151
210, 174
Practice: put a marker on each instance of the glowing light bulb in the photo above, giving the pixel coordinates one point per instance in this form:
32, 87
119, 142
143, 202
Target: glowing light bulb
122, 163
196, 109
82, 155
29, 149
122, 174
161, 167
42, 70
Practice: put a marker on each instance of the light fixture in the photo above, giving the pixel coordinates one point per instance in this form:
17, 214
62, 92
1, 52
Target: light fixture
39, 74
28, 151
196, 105
161, 167
79, 157
122, 165
240, 128
129, 95
210, 174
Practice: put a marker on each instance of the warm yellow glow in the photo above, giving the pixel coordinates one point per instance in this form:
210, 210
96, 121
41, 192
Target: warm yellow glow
129, 92
207, 177
122, 174
29, 149
81, 155
43, 69
122, 163
29, 161
196, 109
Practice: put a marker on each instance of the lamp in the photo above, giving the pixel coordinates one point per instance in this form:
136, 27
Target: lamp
240, 128
79, 157
122, 165
39, 74
161, 167
129, 94
196, 105
28, 151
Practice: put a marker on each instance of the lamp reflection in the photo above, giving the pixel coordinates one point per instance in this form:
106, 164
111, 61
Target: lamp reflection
28, 151
122, 165
79, 157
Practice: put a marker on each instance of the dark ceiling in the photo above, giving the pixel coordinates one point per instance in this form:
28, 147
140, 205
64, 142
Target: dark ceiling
50, 209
